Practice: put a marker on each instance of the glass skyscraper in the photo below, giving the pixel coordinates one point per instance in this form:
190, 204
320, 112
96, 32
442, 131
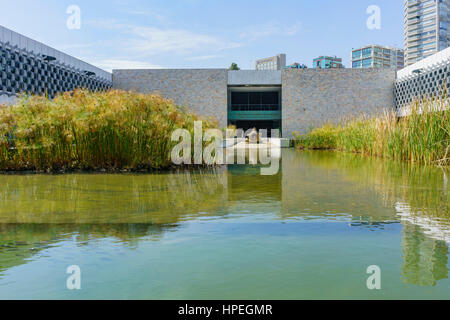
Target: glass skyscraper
426, 28
375, 56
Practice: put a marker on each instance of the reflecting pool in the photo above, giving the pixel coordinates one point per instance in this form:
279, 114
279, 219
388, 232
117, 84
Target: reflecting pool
308, 232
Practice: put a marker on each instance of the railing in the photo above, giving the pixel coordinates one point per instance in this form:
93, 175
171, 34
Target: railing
255, 107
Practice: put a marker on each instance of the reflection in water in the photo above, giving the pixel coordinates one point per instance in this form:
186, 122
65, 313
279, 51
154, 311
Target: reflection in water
40, 212
423, 188
320, 185
424, 258
98, 198
20, 242
425, 247
422, 204
431, 226
256, 188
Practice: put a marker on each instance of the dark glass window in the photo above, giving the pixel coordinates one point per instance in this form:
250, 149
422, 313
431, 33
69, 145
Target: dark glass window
255, 98
254, 101
238, 97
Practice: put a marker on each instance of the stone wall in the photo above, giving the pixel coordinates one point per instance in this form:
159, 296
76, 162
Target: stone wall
204, 91
254, 78
311, 98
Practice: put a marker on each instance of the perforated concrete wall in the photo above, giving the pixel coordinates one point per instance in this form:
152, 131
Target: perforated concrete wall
23, 71
29, 66
428, 82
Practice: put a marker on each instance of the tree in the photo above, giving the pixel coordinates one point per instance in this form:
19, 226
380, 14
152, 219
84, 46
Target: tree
234, 66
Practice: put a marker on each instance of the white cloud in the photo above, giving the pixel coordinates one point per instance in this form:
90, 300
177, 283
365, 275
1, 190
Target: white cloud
150, 14
105, 23
110, 64
155, 41
270, 30
152, 40
206, 57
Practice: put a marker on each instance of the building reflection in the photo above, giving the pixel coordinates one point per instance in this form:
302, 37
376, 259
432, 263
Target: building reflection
245, 183
38, 212
364, 191
425, 243
424, 259
19, 243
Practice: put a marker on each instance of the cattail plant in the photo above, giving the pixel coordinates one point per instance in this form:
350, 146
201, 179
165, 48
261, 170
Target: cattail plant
422, 136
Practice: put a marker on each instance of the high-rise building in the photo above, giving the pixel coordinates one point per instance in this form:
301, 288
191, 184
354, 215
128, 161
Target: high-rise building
375, 56
273, 63
426, 28
326, 62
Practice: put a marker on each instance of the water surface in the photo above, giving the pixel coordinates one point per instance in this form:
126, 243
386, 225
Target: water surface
309, 232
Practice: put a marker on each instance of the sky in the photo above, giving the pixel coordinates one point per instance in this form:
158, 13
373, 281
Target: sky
121, 34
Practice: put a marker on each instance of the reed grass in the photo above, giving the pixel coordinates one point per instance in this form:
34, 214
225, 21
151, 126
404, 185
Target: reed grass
423, 136
91, 131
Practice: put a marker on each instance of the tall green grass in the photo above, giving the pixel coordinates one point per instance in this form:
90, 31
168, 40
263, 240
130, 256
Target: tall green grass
91, 131
421, 137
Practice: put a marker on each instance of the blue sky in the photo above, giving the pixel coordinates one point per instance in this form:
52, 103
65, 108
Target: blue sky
204, 33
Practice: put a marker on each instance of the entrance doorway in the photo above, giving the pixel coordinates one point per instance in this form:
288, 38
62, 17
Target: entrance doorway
255, 107
258, 125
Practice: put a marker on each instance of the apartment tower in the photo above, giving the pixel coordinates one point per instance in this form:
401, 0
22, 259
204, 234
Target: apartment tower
272, 63
426, 28
375, 56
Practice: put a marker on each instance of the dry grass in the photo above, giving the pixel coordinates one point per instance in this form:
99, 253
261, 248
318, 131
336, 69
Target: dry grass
422, 137
90, 131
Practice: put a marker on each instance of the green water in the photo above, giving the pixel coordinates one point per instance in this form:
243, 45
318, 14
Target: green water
309, 232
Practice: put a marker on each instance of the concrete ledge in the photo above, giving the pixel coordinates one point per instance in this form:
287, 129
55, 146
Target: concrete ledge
254, 78
282, 143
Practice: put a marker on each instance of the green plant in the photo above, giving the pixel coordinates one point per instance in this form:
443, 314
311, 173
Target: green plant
421, 137
234, 66
84, 130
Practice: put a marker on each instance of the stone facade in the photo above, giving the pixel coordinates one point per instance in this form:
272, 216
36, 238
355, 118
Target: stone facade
254, 78
311, 98
204, 91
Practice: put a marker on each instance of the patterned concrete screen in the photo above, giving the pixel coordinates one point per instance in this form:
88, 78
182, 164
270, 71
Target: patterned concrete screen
430, 82
22, 71
426, 78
